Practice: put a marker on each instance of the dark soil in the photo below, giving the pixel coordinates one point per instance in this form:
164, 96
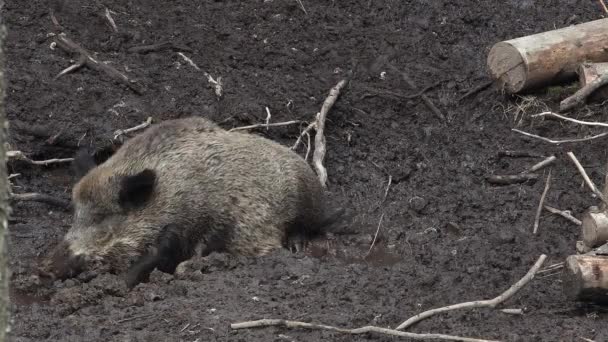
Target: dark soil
446, 235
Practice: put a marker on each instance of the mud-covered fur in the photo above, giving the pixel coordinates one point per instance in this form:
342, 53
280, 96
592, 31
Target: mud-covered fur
229, 191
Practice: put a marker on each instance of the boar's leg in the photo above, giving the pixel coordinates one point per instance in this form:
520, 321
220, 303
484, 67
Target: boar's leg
168, 252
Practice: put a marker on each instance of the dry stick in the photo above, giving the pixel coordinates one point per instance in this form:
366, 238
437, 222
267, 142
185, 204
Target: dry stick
605, 10
139, 127
557, 142
20, 156
304, 132
157, 47
302, 6
216, 85
36, 197
375, 236
547, 161
513, 311
586, 177
79, 64
424, 98
276, 124
563, 213
111, 20
559, 116
540, 204
581, 95
519, 154
357, 331
320, 146
71, 47
490, 303
511, 179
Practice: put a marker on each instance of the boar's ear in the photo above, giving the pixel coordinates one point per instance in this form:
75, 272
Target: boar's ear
83, 163
136, 190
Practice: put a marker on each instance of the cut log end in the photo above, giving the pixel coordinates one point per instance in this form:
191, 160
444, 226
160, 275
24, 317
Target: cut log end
585, 278
594, 227
507, 67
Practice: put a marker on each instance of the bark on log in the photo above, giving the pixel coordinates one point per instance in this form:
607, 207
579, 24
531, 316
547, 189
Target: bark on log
549, 57
595, 227
589, 72
4, 195
585, 278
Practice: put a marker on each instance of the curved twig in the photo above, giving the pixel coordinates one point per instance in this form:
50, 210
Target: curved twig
490, 303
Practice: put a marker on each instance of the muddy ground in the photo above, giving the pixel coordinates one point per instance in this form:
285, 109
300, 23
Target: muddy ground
446, 235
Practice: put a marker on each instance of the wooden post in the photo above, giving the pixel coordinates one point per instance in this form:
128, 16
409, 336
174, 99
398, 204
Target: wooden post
589, 72
594, 227
549, 57
585, 278
4, 191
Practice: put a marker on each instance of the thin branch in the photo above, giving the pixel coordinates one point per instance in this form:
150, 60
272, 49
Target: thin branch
557, 142
320, 144
490, 303
302, 6
590, 183
307, 130
540, 204
20, 156
357, 331
36, 197
276, 124
564, 213
110, 20
547, 161
139, 127
559, 116
603, 4
375, 236
215, 84
79, 64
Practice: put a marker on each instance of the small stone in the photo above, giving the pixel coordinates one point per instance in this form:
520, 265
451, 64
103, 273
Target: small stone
417, 203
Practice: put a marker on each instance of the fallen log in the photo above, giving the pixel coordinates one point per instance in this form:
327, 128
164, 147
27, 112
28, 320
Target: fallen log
549, 57
594, 227
585, 278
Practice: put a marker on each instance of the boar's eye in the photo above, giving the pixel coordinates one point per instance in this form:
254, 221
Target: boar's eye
136, 190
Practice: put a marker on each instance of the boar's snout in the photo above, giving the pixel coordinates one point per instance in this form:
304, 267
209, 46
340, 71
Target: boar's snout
62, 263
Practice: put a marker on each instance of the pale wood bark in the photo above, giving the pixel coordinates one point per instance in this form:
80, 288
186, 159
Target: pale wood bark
585, 278
549, 57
